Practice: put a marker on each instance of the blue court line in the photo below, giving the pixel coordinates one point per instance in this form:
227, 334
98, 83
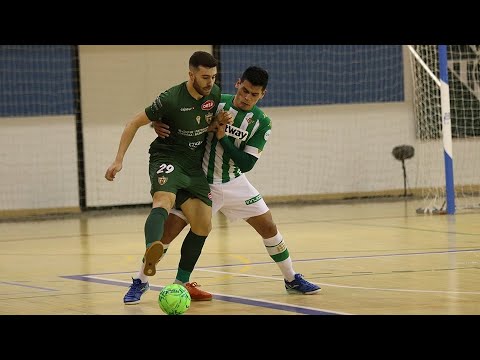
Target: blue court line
234, 299
27, 286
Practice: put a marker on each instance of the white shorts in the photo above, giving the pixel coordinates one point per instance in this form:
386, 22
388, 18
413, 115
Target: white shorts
236, 199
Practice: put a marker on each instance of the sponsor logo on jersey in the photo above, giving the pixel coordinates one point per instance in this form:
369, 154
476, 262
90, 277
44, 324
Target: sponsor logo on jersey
210, 195
253, 200
195, 144
208, 105
187, 109
267, 134
235, 132
196, 132
162, 180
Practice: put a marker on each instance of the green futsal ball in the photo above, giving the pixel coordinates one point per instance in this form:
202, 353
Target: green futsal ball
174, 299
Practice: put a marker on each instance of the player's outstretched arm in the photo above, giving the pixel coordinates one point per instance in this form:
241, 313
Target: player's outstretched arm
128, 134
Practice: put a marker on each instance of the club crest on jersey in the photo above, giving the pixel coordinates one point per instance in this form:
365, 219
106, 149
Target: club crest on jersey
235, 132
249, 118
162, 180
208, 105
198, 119
208, 118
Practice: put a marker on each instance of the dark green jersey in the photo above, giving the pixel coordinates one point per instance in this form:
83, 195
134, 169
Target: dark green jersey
188, 120
249, 132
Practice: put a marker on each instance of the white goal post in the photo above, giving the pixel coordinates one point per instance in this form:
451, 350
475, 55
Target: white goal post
446, 82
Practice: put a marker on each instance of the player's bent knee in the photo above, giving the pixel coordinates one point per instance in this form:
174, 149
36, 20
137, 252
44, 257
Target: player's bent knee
202, 229
264, 226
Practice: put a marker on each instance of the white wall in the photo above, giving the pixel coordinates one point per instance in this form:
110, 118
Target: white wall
38, 163
333, 149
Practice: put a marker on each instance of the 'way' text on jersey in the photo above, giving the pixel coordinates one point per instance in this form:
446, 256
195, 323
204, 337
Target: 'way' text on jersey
235, 132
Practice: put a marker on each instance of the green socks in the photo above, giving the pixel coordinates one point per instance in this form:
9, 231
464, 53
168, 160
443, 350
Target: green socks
190, 252
154, 225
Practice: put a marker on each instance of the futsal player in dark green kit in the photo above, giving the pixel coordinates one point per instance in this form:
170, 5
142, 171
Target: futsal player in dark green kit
176, 163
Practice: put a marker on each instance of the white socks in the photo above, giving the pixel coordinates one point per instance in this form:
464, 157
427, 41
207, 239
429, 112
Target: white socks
278, 251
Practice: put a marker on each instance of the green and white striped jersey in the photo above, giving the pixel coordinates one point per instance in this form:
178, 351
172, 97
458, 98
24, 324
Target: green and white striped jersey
248, 132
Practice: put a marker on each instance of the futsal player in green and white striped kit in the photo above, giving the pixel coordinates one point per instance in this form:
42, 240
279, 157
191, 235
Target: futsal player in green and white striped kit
230, 151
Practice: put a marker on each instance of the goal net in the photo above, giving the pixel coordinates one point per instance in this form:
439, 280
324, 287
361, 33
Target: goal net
464, 93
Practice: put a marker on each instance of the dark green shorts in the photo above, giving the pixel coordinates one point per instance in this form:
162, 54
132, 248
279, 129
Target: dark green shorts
167, 175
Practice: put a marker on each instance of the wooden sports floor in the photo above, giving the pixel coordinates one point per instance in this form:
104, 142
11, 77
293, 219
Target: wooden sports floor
369, 257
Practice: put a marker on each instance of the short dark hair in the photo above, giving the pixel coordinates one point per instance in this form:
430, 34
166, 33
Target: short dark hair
256, 75
202, 58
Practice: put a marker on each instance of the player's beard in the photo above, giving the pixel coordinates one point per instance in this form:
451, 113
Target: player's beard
200, 90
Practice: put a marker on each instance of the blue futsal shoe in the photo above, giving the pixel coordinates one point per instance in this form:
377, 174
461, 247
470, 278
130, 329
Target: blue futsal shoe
301, 286
137, 289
